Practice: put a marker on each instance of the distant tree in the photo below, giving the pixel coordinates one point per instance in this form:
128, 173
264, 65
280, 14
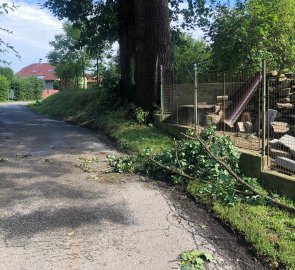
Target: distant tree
70, 60
5, 47
188, 52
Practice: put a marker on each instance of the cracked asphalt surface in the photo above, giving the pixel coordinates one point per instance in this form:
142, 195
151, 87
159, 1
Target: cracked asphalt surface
55, 216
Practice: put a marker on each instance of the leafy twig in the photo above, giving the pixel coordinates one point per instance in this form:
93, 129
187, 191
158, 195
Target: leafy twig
239, 179
173, 171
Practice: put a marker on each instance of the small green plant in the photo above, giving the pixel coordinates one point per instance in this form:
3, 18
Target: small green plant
138, 114
85, 161
126, 164
2, 159
89, 159
194, 260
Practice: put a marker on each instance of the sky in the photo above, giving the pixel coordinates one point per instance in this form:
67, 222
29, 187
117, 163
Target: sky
32, 29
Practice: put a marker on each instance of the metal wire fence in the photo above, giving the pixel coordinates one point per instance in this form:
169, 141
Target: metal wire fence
254, 108
281, 121
230, 101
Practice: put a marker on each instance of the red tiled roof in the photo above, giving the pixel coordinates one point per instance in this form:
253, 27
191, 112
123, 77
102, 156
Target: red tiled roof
44, 70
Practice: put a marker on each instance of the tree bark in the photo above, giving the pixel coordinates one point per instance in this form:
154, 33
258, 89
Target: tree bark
126, 30
153, 48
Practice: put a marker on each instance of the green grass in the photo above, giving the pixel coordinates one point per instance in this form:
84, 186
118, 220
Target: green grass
269, 230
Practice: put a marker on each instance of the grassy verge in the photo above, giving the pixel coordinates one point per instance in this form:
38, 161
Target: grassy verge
83, 108
269, 230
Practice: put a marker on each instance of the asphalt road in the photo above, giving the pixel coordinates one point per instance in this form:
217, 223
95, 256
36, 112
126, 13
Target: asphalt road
55, 214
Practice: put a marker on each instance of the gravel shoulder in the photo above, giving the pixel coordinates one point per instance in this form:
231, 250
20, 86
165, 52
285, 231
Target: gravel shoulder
55, 214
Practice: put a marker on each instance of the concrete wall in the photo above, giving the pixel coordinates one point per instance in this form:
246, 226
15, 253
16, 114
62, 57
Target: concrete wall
183, 94
250, 164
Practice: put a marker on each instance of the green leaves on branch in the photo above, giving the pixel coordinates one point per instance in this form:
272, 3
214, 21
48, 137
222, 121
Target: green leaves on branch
188, 161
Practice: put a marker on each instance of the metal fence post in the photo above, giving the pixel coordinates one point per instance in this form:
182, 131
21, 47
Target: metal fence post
263, 114
162, 95
196, 99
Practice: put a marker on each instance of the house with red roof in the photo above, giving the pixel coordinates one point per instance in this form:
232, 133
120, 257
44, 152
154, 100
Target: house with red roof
42, 71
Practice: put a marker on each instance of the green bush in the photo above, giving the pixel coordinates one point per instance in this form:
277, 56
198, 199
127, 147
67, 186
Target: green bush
6, 72
4, 88
27, 88
38, 87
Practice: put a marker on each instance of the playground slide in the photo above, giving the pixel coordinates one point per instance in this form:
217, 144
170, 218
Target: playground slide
236, 109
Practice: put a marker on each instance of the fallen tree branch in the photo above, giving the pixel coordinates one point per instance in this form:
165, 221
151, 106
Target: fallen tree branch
239, 179
186, 176
87, 122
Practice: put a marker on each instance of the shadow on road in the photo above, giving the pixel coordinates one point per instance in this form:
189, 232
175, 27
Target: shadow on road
41, 186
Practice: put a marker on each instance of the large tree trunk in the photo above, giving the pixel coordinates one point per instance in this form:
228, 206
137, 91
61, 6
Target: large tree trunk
153, 48
126, 30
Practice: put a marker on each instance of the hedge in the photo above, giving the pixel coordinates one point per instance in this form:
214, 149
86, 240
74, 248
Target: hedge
29, 88
4, 88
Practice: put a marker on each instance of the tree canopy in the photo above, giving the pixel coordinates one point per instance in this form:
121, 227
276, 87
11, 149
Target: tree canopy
70, 61
245, 34
188, 52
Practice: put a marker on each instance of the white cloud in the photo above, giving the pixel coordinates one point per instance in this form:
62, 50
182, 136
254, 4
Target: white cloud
32, 29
